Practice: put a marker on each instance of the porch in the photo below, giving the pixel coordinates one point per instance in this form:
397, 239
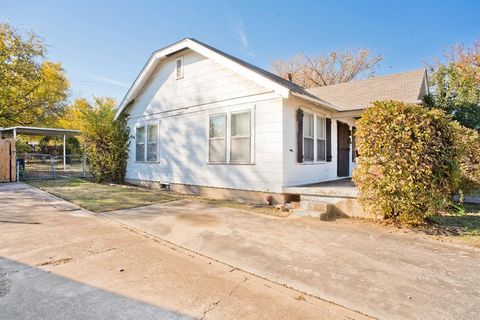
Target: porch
337, 188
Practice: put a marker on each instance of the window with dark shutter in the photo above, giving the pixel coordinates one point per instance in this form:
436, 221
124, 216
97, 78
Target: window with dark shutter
328, 125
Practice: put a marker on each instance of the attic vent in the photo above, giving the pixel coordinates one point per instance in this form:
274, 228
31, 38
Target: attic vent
179, 68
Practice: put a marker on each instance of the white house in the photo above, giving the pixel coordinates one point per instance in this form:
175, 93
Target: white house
203, 121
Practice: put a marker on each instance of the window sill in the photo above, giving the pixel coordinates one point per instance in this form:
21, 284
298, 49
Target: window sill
231, 163
314, 163
147, 162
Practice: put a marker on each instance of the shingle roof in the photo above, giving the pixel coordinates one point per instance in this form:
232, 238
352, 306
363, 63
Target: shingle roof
406, 86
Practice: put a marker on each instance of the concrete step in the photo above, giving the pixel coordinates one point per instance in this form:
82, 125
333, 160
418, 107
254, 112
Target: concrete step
315, 209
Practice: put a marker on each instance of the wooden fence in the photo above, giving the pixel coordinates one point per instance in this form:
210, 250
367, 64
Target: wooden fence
8, 161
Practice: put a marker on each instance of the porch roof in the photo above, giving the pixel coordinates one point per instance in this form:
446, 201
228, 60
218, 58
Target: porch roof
36, 131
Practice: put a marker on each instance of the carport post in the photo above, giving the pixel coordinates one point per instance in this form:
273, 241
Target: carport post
64, 153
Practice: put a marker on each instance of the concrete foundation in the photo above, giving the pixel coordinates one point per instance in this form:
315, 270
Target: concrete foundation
212, 192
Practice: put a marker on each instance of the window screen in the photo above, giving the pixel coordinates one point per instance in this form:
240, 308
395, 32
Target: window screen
240, 137
217, 139
308, 138
140, 144
321, 141
152, 143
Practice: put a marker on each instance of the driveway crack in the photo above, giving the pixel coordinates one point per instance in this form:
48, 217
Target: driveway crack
215, 304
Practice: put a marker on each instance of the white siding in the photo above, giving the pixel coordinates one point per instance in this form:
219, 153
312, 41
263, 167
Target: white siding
204, 82
182, 108
305, 173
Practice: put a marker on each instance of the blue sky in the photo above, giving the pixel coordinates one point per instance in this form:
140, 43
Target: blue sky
104, 44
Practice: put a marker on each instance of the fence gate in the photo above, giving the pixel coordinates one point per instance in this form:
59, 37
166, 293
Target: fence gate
47, 166
8, 170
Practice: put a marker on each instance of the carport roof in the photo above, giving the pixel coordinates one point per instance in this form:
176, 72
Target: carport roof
35, 131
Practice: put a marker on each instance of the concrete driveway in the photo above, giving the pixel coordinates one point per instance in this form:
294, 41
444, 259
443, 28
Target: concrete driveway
58, 262
384, 275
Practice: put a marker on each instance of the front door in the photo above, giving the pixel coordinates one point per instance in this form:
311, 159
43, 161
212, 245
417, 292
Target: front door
343, 149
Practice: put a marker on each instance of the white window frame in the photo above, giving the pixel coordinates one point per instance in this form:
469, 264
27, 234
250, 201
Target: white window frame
144, 142
308, 137
315, 138
317, 117
249, 136
145, 127
147, 142
224, 114
177, 76
242, 109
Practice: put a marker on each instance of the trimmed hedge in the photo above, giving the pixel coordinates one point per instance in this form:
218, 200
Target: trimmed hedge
407, 167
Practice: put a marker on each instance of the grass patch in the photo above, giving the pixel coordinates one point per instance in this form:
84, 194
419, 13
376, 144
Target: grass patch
463, 225
98, 197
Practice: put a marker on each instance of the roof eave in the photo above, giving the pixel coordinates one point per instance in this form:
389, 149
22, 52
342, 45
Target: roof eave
161, 54
317, 101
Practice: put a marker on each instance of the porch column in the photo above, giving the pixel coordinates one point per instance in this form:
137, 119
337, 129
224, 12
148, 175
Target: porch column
64, 153
15, 133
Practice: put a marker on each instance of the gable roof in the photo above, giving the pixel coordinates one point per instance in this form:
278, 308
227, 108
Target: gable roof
408, 87
249, 71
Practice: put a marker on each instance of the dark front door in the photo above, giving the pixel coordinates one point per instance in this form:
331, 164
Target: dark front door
343, 149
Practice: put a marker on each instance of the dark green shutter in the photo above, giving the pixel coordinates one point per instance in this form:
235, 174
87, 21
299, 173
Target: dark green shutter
354, 145
328, 123
300, 135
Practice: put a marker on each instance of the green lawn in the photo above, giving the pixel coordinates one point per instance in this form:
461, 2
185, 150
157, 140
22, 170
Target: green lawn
108, 197
102, 197
464, 226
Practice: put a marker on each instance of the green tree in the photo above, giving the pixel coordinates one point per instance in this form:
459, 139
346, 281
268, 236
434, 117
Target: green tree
106, 141
33, 90
455, 84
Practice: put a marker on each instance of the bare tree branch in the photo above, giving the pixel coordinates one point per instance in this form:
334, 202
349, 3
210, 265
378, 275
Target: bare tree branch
336, 67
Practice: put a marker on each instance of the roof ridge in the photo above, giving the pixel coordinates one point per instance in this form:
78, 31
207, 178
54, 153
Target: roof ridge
368, 79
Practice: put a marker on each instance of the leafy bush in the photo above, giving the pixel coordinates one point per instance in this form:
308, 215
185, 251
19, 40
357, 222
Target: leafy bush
467, 145
407, 166
22, 146
106, 141
54, 145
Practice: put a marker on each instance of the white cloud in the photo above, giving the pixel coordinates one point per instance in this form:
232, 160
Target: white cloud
242, 36
107, 80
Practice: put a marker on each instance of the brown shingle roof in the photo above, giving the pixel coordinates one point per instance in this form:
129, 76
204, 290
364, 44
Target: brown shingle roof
406, 86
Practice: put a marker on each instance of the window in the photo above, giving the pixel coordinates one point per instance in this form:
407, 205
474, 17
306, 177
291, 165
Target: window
240, 144
217, 138
152, 143
140, 144
308, 138
230, 137
146, 143
179, 68
314, 138
321, 139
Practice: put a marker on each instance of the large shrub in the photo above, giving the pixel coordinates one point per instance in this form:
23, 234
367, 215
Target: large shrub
407, 162
106, 141
467, 146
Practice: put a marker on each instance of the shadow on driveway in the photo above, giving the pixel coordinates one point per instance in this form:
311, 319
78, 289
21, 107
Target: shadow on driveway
30, 293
